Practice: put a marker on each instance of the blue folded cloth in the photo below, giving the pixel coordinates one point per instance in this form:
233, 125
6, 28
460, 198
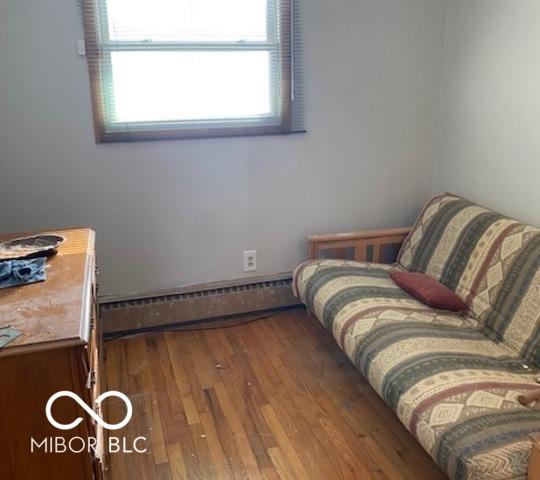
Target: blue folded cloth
22, 272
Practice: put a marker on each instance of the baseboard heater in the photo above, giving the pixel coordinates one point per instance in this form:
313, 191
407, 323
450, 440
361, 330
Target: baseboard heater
196, 303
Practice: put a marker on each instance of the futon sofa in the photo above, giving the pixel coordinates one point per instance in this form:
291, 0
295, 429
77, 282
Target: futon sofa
452, 378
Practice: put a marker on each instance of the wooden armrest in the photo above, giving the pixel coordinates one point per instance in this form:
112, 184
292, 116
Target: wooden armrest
361, 235
359, 242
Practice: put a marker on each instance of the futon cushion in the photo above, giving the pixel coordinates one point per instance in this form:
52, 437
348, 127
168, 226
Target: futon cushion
452, 387
491, 261
428, 290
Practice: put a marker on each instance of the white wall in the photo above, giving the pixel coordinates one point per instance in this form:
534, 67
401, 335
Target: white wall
489, 142
181, 212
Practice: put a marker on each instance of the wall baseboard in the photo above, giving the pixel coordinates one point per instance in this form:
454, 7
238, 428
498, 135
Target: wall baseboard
196, 303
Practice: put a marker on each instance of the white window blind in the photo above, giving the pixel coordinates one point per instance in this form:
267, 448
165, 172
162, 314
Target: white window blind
193, 68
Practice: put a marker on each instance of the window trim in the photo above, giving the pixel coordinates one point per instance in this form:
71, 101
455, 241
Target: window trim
102, 135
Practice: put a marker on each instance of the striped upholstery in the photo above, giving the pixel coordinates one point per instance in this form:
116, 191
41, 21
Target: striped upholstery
491, 261
449, 382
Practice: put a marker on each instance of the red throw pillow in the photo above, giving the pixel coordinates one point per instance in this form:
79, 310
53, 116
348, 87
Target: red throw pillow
428, 290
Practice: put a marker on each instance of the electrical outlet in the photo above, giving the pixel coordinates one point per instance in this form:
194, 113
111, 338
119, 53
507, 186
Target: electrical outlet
250, 261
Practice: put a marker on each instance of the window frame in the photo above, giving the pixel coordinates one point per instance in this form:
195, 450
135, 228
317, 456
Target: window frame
96, 48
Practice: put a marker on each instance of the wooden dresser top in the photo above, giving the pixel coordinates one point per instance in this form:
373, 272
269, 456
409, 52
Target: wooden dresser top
54, 313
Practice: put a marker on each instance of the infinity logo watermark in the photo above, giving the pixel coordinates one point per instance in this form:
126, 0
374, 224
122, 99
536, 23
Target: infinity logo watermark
90, 444
87, 409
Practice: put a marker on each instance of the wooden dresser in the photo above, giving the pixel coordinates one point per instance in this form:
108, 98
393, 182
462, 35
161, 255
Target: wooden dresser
60, 349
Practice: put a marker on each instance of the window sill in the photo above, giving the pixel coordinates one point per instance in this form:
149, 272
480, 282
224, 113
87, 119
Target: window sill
156, 135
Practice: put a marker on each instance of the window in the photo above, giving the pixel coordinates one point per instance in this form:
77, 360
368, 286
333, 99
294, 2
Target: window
192, 68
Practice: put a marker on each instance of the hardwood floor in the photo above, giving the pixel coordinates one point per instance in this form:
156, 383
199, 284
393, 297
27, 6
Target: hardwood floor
274, 398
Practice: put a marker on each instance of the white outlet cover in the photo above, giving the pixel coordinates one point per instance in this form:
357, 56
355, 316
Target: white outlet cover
250, 261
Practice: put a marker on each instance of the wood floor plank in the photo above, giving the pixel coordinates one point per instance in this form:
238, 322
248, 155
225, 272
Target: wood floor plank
223, 469
226, 436
158, 445
202, 454
270, 399
284, 443
169, 403
240, 436
176, 462
283, 469
190, 408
